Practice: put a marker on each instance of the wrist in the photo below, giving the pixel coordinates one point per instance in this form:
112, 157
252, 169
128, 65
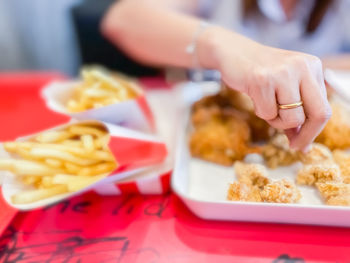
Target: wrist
208, 47
217, 44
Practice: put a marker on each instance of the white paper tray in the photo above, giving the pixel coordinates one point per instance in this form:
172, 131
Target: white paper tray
203, 185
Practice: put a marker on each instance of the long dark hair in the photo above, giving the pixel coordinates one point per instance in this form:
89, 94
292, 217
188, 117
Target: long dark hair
315, 18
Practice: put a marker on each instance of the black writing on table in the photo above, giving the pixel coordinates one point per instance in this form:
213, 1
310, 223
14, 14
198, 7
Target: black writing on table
285, 258
126, 206
69, 246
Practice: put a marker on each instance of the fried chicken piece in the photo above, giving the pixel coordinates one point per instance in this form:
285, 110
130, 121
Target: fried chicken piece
318, 154
221, 141
239, 191
331, 189
282, 191
277, 153
212, 100
228, 98
204, 115
339, 200
336, 133
251, 174
343, 160
221, 131
237, 99
319, 173
260, 129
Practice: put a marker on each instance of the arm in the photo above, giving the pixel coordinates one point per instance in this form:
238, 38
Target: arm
155, 32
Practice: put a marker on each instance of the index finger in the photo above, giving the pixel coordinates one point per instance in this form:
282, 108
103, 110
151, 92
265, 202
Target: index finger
317, 111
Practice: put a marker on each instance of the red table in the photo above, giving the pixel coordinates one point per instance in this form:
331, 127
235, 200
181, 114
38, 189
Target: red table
92, 228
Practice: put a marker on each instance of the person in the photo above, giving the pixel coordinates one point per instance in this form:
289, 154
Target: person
286, 86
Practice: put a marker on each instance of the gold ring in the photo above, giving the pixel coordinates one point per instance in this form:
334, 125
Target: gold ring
290, 106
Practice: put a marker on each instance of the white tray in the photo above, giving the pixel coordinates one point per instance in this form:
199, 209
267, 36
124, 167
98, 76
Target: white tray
203, 185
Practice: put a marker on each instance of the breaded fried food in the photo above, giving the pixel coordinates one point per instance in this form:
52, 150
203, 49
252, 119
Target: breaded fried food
206, 114
343, 160
339, 200
332, 189
251, 174
277, 152
336, 133
319, 173
239, 191
260, 129
208, 101
237, 99
229, 99
223, 140
317, 154
215, 113
282, 191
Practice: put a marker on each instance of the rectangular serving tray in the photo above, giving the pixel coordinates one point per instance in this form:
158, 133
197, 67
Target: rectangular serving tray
203, 185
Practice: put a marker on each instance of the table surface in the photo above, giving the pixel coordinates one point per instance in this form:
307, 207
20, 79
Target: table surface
134, 228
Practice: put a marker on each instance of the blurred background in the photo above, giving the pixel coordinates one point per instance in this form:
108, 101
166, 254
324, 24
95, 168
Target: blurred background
58, 35
61, 35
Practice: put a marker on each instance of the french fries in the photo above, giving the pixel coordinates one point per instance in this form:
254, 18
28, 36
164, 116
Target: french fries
57, 162
100, 88
39, 194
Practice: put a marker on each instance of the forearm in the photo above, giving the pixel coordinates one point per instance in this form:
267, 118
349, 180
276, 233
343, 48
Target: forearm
153, 34
341, 62
159, 34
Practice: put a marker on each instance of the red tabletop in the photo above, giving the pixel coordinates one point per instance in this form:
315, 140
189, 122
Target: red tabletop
93, 228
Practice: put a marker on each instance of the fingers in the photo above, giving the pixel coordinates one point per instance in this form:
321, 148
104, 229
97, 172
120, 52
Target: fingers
299, 79
291, 118
316, 107
288, 119
291, 133
264, 99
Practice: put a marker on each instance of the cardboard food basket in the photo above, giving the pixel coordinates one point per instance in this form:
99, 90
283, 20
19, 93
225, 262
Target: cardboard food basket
132, 113
149, 114
133, 151
151, 180
203, 185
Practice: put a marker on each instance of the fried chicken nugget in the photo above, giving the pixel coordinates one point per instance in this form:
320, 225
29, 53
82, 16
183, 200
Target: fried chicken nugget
251, 174
318, 154
336, 133
319, 173
277, 152
282, 191
339, 200
332, 189
343, 160
239, 191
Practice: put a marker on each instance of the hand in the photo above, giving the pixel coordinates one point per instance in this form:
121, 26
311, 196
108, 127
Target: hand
271, 77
